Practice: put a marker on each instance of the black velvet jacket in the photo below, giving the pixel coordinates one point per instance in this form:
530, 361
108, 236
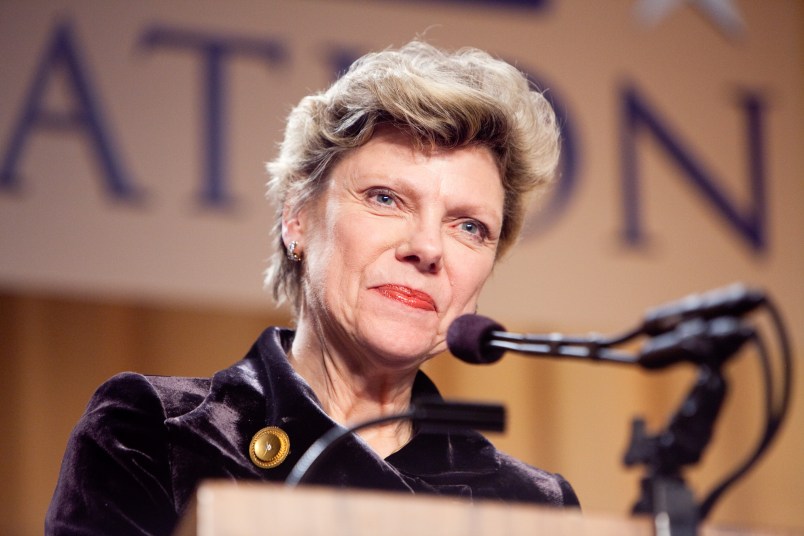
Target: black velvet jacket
145, 443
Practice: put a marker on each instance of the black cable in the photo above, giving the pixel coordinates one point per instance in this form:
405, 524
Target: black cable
774, 416
432, 415
787, 358
334, 435
717, 491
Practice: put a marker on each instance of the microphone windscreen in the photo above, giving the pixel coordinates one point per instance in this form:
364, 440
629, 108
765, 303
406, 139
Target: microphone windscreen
467, 339
734, 300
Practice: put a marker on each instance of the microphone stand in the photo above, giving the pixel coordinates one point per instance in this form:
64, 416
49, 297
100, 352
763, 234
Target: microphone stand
664, 492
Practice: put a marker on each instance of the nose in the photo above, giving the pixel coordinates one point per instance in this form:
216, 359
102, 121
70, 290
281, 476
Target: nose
423, 247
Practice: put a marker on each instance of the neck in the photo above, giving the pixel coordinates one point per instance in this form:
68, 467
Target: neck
352, 390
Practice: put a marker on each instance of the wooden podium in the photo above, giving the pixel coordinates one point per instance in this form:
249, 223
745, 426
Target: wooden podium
247, 509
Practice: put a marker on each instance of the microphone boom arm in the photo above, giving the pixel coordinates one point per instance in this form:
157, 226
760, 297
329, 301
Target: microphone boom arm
583, 350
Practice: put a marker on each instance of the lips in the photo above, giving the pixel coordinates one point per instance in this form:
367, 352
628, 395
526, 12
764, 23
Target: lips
408, 296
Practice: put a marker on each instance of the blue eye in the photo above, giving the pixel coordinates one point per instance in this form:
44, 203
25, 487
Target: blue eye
475, 228
384, 199
470, 227
382, 196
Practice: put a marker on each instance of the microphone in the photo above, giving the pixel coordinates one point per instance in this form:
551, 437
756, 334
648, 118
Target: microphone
735, 300
478, 340
696, 341
468, 339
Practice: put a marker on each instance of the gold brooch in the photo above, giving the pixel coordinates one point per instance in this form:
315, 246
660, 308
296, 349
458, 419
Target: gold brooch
269, 447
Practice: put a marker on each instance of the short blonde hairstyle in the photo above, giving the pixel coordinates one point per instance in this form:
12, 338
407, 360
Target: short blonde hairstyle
442, 100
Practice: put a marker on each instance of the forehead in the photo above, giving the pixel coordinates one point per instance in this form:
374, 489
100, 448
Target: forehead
394, 156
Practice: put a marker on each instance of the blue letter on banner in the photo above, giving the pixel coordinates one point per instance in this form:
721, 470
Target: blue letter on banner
638, 115
86, 116
214, 51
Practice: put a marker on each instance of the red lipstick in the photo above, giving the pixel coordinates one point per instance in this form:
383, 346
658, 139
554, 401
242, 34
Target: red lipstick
408, 296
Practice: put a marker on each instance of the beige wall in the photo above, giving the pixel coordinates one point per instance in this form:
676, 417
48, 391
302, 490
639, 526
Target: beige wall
90, 286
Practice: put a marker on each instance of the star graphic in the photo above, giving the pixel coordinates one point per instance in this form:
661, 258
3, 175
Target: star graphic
722, 13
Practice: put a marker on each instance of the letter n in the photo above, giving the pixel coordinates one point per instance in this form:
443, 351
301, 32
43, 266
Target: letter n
748, 222
84, 118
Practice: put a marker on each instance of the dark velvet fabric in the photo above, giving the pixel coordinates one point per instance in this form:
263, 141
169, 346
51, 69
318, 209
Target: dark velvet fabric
145, 443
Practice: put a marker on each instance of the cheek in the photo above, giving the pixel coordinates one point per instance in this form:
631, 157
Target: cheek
320, 263
470, 276
341, 264
363, 242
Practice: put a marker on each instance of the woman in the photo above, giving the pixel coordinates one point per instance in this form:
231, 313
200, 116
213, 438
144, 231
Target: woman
398, 190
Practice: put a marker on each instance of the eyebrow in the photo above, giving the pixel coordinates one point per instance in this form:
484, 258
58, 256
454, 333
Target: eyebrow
406, 186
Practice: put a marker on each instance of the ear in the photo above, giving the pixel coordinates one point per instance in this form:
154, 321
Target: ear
293, 224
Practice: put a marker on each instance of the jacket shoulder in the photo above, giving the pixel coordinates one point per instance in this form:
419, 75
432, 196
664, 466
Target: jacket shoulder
167, 395
178, 394
551, 488
115, 476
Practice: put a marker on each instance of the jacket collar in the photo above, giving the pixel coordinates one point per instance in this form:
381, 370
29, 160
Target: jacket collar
211, 440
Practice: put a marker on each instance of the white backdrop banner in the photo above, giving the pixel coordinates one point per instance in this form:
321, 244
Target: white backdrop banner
133, 137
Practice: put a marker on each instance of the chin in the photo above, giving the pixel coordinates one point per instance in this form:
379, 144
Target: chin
402, 344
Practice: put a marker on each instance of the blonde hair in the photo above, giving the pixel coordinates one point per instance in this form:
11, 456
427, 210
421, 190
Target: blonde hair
442, 100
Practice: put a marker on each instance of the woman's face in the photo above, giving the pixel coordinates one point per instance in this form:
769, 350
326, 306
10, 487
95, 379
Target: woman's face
398, 245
